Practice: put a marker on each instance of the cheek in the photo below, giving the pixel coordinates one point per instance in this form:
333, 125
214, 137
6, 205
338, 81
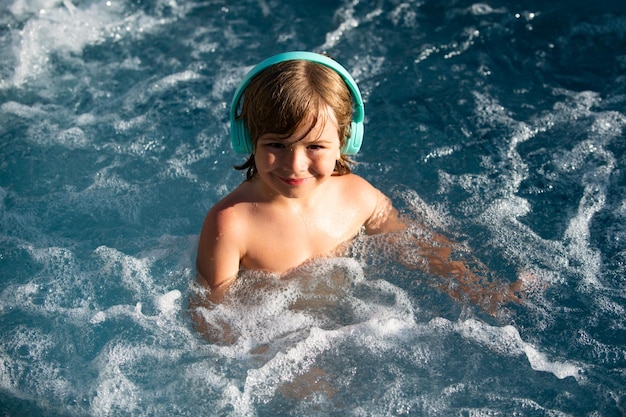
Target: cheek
264, 159
327, 162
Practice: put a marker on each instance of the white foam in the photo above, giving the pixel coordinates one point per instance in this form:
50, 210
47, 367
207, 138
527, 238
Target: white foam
267, 310
588, 164
97, 318
349, 22
123, 384
296, 319
481, 9
21, 110
133, 272
45, 131
404, 15
508, 341
258, 312
166, 303
65, 29
27, 365
261, 383
185, 156
601, 352
73, 138
23, 9
115, 392
123, 126
57, 29
171, 81
426, 214
540, 362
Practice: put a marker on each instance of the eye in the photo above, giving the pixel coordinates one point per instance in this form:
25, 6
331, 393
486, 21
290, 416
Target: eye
275, 145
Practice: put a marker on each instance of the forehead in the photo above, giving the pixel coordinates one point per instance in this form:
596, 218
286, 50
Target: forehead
322, 127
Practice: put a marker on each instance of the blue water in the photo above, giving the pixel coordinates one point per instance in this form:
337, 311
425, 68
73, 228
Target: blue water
500, 123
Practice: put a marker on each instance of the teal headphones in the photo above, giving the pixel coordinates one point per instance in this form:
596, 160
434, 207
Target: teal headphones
239, 134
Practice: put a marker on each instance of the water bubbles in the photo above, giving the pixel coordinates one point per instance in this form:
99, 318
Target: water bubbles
166, 303
526, 15
97, 318
481, 8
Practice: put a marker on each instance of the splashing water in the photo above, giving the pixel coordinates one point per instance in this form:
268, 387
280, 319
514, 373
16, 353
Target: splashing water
500, 125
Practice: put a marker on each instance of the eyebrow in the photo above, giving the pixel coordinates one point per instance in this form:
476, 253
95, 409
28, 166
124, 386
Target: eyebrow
275, 137
271, 137
289, 141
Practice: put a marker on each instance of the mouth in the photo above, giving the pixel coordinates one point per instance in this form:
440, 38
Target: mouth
294, 182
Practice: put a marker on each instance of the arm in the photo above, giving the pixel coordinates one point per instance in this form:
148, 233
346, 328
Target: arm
219, 252
384, 218
217, 265
434, 254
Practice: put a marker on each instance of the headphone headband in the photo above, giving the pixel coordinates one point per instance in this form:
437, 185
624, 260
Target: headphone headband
239, 134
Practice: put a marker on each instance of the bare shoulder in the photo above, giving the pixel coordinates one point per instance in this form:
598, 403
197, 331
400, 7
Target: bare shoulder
221, 222
226, 213
222, 241
358, 187
382, 216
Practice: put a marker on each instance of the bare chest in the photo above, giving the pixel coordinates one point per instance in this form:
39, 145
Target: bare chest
280, 241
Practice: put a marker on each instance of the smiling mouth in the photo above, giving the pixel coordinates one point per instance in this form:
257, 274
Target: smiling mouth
294, 182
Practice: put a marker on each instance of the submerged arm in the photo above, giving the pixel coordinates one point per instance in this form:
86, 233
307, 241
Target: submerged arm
464, 277
434, 254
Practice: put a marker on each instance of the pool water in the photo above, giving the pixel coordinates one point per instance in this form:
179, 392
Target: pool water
500, 124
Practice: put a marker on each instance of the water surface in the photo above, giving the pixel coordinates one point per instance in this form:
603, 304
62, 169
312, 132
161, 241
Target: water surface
500, 123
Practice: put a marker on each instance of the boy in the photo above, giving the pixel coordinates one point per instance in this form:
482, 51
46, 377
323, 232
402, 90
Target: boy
300, 200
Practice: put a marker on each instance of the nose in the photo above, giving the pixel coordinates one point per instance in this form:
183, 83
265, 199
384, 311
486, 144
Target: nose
296, 159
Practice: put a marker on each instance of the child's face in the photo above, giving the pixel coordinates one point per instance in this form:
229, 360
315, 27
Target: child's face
297, 165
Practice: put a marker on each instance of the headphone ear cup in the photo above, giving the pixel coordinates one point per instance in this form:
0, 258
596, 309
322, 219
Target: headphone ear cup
240, 137
353, 144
